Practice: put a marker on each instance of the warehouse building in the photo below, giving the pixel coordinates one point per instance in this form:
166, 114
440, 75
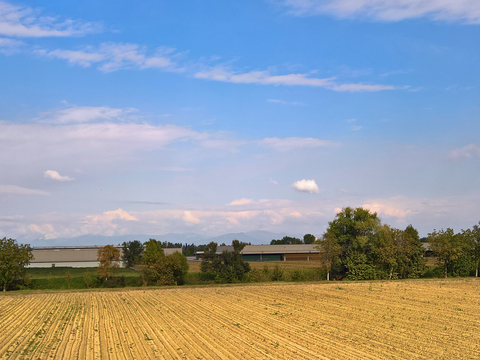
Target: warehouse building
72, 256
297, 252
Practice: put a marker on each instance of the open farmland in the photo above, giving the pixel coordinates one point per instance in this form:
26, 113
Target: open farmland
433, 319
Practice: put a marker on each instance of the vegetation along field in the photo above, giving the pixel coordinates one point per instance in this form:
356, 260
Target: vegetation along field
416, 319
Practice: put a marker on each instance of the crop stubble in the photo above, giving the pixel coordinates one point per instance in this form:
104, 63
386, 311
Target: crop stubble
377, 320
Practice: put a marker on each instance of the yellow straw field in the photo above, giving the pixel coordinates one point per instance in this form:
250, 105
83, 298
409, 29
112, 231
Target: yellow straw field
367, 320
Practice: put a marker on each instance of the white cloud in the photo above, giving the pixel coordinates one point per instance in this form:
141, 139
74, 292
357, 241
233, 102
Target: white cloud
17, 190
85, 144
54, 175
350, 120
309, 186
277, 101
84, 114
9, 46
220, 73
293, 143
465, 152
393, 210
190, 218
271, 181
116, 56
241, 202
23, 21
467, 11
356, 127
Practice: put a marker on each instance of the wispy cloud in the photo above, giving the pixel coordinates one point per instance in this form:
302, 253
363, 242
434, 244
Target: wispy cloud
24, 21
222, 74
467, 11
309, 186
283, 102
117, 56
10, 46
356, 127
54, 175
292, 143
85, 114
17, 190
465, 152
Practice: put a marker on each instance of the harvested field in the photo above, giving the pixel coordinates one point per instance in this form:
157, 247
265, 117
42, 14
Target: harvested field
433, 319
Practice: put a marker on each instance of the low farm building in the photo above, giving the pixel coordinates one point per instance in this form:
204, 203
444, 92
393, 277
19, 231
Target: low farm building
72, 256
297, 252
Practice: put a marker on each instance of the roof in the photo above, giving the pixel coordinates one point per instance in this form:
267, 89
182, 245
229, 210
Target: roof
280, 249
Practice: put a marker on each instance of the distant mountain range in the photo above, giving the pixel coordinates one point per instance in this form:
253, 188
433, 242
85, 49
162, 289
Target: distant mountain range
257, 237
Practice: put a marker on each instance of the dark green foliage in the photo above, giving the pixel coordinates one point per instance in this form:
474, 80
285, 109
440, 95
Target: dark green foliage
132, 253
286, 240
277, 273
13, 259
158, 269
226, 267
309, 239
370, 250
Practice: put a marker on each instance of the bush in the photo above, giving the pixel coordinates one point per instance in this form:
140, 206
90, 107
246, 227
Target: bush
277, 273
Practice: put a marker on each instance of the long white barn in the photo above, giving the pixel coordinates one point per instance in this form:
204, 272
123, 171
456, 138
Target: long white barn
72, 256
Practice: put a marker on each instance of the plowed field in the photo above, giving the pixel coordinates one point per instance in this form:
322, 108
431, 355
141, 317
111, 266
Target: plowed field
379, 320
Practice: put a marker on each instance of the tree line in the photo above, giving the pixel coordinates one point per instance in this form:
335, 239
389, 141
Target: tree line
357, 246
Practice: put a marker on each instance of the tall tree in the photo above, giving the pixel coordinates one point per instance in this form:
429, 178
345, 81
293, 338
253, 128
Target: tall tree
329, 252
309, 239
132, 253
446, 246
476, 246
13, 259
159, 269
353, 230
109, 258
227, 266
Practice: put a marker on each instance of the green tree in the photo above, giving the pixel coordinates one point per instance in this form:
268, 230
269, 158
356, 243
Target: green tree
13, 259
132, 253
446, 246
329, 252
109, 257
475, 246
227, 266
309, 239
286, 240
353, 229
159, 269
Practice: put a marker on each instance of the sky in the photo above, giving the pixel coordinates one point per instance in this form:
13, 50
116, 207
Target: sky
211, 117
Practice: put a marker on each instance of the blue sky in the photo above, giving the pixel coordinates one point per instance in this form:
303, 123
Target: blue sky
229, 116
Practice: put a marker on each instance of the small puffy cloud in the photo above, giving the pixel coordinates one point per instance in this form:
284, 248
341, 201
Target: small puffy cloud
54, 175
465, 152
222, 74
293, 143
190, 218
241, 202
467, 11
23, 21
309, 186
17, 190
